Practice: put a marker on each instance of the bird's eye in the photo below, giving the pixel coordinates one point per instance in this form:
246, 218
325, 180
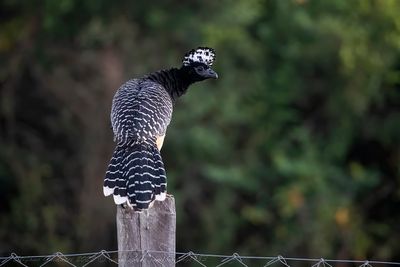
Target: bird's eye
200, 68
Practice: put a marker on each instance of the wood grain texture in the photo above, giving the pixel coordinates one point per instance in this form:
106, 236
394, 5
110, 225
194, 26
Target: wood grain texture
150, 230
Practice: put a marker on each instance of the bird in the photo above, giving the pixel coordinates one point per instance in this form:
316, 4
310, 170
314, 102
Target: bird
140, 114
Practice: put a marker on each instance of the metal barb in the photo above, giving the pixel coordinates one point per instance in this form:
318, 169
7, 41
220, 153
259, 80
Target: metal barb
5, 261
322, 263
105, 254
148, 254
98, 255
283, 261
366, 264
60, 256
13, 257
17, 259
184, 256
234, 257
191, 256
280, 259
144, 255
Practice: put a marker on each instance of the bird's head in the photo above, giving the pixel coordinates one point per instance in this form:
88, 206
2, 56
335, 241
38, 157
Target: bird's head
197, 64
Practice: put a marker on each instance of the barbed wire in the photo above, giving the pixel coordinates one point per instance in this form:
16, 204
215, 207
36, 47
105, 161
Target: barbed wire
165, 258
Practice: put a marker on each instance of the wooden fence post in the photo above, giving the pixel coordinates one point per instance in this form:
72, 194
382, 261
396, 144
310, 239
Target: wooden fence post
146, 232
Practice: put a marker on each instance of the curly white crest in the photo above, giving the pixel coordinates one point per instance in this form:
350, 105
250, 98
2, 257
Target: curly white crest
201, 54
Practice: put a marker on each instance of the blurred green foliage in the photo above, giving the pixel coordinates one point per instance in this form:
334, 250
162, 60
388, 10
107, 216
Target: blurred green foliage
295, 150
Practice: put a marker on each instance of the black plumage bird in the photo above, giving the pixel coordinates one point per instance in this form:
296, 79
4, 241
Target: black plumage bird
141, 112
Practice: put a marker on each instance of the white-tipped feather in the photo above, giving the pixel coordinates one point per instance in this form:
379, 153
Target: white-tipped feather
119, 200
161, 197
107, 190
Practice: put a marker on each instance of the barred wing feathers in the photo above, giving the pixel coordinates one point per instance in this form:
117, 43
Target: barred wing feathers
141, 112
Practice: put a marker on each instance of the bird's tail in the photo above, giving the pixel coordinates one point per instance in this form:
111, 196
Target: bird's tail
136, 176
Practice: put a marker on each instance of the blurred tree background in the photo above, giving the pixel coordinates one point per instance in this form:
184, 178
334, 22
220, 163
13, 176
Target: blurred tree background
295, 150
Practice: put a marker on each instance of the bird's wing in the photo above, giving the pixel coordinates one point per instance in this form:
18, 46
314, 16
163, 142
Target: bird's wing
141, 111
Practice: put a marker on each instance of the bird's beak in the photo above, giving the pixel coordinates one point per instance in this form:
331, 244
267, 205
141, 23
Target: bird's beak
211, 74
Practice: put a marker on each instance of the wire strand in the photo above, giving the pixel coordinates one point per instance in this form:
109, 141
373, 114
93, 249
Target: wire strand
191, 256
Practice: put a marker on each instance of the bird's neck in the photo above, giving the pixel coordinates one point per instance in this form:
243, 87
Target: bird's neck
175, 81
